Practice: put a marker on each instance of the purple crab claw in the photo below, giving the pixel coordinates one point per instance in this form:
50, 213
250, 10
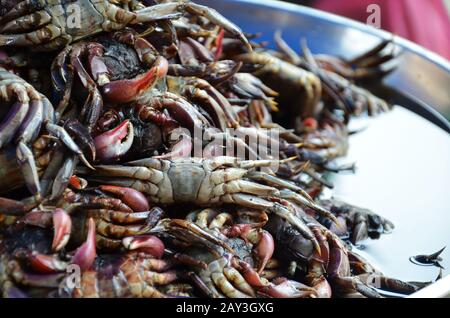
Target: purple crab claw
62, 224
131, 197
59, 219
145, 243
113, 144
180, 149
85, 255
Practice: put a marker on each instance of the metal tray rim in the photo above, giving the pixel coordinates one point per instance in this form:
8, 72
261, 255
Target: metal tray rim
300, 9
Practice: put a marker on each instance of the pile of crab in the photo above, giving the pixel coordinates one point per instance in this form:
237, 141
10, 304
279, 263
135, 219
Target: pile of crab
152, 149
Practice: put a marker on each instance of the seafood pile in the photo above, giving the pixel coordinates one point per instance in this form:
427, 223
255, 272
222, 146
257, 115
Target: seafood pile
152, 149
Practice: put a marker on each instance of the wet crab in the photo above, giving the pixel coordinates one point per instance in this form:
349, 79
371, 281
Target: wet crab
218, 181
355, 223
334, 269
26, 271
116, 213
285, 77
134, 81
113, 72
30, 115
49, 25
336, 76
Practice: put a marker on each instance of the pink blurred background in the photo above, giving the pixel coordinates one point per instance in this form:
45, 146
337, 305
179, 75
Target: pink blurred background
426, 22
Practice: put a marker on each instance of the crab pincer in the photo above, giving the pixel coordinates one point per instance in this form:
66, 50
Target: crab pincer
84, 256
133, 198
262, 241
62, 224
127, 90
148, 244
288, 289
114, 143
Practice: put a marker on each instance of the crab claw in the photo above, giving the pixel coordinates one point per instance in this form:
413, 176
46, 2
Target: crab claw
264, 245
131, 197
249, 274
145, 243
180, 149
85, 255
40, 263
77, 182
62, 225
46, 264
288, 289
113, 144
11, 123
323, 288
264, 250
219, 45
37, 218
125, 91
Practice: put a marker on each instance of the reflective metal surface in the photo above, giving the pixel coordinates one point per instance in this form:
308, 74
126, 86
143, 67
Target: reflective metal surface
403, 161
403, 173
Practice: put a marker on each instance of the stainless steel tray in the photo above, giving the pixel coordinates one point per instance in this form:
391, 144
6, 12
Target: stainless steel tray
403, 159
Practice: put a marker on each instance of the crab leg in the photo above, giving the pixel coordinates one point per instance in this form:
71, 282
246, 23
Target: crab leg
62, 134
118, 231
62, 80
81, 135
136, 172
31, 123
28, 166
185, 229
22, 8
122, 217
211, 106
218, 106
174, 9
53, 167
286, 214
94, 103
226, 287
377, 49
233, 275
295, 197
11, 123
26, 22
45, 34
291, 192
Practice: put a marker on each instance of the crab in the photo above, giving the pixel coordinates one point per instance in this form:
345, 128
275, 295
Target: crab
30, 114
50, 25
